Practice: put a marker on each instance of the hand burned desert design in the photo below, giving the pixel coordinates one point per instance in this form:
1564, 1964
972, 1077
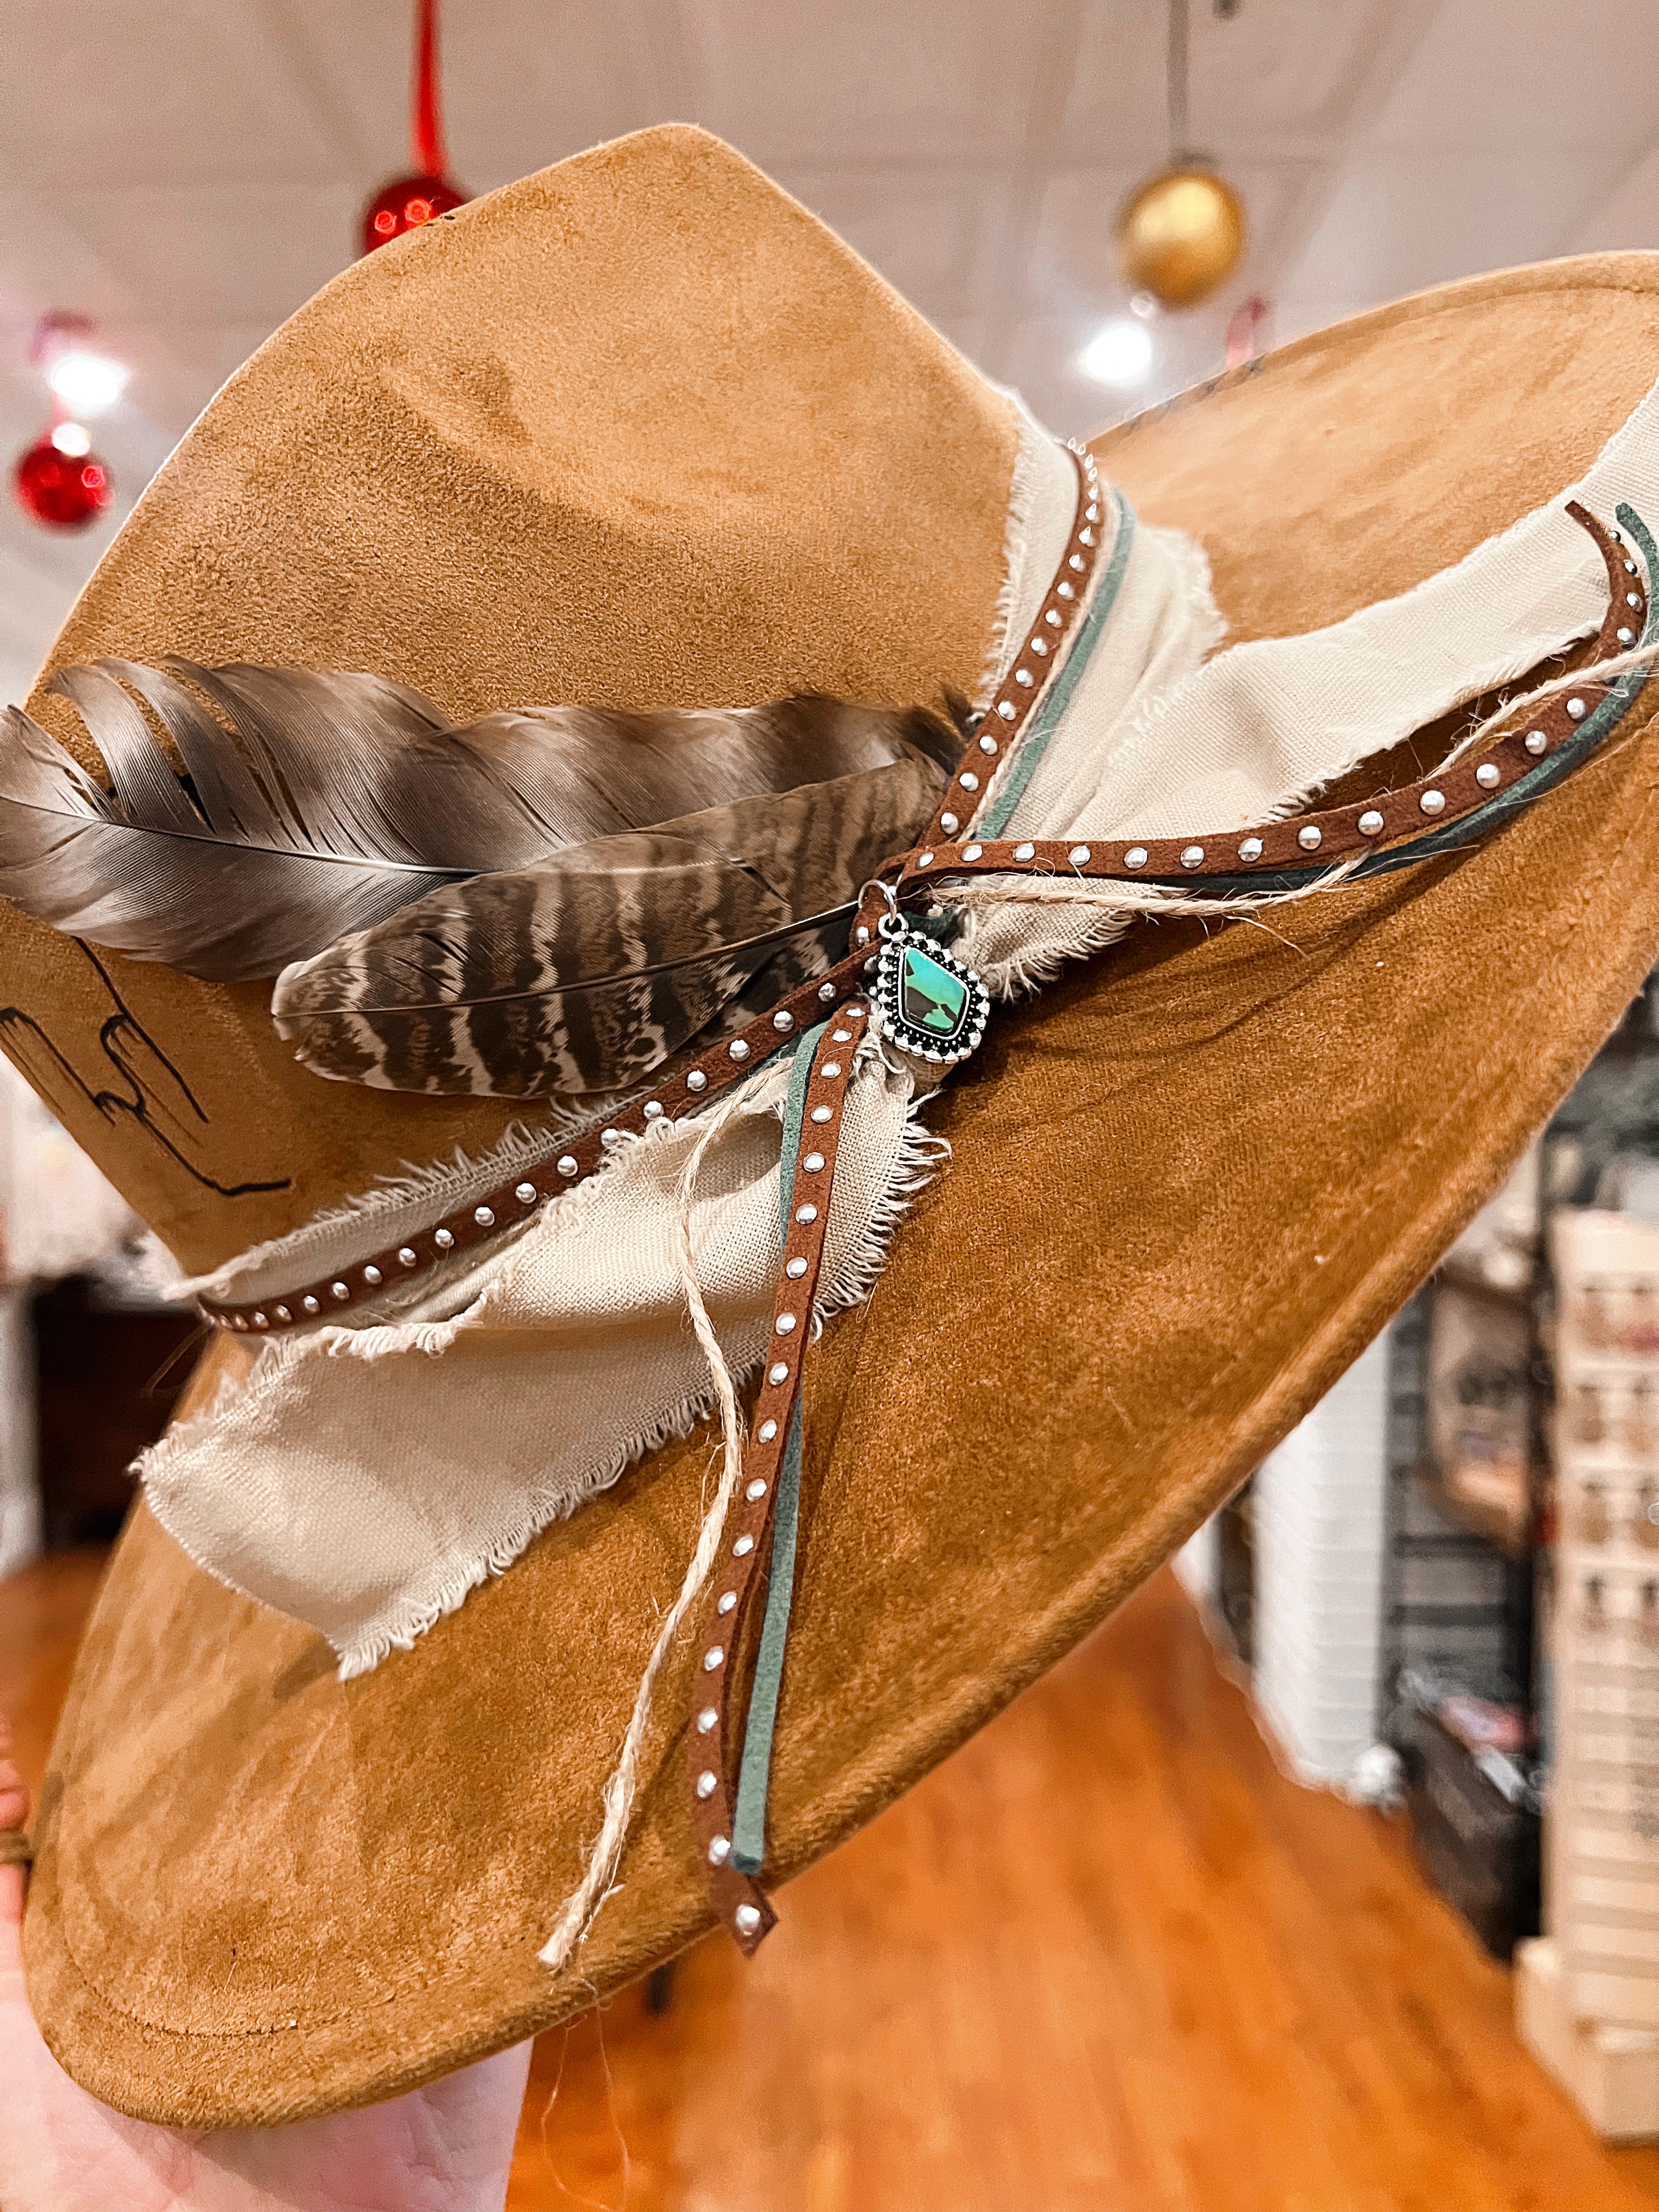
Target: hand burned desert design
154, 1094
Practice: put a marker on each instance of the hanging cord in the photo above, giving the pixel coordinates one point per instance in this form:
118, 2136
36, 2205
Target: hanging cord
426, 122
595, 1884
1179, 153
760, 1719
1602, 671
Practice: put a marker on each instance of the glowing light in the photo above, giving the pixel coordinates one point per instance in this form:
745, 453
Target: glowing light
87, 383
60, 492
405, 204
70, 438
1119, 353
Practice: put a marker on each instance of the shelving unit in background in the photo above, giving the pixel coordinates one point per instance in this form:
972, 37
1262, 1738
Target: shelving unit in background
1457, 1671
1458, 1605
1392, 1577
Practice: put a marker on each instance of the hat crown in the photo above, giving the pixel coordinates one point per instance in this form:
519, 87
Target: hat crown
637, 431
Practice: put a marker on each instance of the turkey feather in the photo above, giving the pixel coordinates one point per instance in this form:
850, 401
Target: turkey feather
312, 806
588, 970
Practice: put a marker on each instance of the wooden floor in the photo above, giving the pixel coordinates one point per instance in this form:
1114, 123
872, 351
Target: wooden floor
1107, 1960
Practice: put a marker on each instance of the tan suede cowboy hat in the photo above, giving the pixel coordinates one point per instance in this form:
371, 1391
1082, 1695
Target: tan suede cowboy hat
638, 436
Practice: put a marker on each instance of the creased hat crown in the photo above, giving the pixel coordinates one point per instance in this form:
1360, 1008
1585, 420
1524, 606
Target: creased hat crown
637, 431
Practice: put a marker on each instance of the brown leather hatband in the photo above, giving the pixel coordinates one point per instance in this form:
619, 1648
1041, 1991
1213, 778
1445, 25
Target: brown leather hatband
717, 1717
1338, 832
1330, 837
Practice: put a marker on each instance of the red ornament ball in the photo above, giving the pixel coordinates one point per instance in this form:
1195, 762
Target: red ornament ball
62, 491
405, 205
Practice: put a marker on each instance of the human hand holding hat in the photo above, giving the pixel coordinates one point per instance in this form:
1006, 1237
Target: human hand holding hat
449, 2146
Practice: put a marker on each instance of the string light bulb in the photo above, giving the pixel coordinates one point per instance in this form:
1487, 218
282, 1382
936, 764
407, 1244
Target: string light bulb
1119, 353
86, 383
59, 482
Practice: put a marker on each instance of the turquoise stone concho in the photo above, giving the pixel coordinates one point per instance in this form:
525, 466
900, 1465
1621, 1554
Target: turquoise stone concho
924, 998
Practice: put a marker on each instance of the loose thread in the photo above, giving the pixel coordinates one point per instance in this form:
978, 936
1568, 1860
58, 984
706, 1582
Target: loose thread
1602, 671
595, 1886
1150, 899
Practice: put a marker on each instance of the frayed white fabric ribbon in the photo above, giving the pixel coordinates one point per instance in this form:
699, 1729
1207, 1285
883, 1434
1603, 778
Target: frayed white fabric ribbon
365, 1477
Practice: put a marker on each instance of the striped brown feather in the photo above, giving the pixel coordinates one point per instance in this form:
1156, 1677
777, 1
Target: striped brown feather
586, 972
312, 806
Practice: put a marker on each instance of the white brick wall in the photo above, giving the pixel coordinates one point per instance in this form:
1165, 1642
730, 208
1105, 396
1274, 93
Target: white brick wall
1319, 1558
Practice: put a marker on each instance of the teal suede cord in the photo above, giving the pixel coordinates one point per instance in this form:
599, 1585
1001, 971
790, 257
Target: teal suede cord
754, 1769
755, 1773
1035, 743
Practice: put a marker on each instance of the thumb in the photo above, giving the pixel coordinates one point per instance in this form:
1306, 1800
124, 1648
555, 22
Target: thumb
13, 1814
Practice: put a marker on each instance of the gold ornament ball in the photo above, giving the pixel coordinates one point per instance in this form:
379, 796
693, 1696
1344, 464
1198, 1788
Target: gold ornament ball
1180, 236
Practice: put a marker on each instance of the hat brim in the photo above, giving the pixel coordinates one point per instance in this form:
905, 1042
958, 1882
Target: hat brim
1188, 1183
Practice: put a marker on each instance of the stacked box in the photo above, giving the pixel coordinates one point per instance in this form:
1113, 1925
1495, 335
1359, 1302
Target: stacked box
1475, 1828
1602, 1865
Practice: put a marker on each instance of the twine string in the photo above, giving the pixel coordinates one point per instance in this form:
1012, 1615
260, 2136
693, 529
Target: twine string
595, 1885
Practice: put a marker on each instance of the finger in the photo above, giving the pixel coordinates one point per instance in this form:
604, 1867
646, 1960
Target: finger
449, 2145
14, 1814
14, 1797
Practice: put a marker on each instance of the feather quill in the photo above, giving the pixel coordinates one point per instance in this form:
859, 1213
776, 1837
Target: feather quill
312, 806
588, 970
